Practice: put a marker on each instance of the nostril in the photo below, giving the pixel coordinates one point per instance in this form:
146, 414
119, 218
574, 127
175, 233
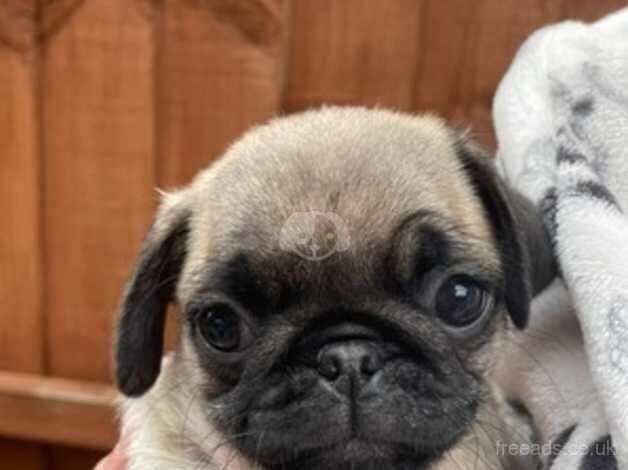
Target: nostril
329, 366
371, 363
355, 358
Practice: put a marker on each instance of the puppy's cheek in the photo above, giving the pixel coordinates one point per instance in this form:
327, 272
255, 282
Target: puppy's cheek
431, 396
198, 367
487, 358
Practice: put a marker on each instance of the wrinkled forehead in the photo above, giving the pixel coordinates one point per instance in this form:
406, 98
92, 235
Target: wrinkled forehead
333, 183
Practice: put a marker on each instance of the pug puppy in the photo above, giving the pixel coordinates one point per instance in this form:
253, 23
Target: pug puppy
346, 279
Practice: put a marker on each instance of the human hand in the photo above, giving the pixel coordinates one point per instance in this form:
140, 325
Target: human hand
116, 460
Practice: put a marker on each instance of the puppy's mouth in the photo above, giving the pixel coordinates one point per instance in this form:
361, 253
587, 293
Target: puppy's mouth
357, 453
393, 441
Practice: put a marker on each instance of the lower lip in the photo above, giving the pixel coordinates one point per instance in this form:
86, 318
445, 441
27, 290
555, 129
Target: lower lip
356, 449
354, 453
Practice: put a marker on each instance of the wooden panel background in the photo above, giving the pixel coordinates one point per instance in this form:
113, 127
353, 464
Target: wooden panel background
101, 101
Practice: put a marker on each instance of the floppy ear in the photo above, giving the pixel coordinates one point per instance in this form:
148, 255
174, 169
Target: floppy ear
524, 245
139, 345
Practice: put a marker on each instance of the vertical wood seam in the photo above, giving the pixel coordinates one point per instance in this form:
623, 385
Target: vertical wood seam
48, 29
41, 152
417, 66
159, 37
286, 50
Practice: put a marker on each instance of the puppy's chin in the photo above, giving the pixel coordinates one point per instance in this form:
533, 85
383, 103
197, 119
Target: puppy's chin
360, 454
375, 443
395, 440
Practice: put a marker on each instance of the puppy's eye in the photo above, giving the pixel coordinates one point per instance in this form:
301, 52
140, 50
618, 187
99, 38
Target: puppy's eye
221, 328
461, 301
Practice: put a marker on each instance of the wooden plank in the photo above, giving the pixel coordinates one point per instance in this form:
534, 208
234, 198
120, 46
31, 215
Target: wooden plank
590, 10
71, 458
443, 57
18, 25
220, 70
99, 178
352, 52
20, 455
21, 332
58, 411
470, 47
20, 239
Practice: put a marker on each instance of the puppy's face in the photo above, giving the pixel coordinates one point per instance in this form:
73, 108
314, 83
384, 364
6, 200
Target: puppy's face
343, 277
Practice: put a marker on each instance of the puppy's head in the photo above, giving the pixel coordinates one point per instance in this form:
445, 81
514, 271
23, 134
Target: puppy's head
343, 276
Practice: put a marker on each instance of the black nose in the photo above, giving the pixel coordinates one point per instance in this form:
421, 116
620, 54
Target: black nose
357, 359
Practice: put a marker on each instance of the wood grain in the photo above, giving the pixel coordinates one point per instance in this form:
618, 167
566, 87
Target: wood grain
220, 70
468, 48
21, 327
424, 56
99, 178
72, 458
21, 455
21, 321
18, 24
589, 10
57, 411
350, 52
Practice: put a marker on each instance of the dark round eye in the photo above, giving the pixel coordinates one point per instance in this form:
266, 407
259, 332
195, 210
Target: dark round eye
461, 301
221, 327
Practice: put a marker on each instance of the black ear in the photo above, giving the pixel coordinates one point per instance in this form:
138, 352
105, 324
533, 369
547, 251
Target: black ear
524, 245
139, 345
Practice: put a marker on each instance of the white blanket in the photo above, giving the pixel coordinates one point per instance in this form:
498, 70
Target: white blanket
561, 117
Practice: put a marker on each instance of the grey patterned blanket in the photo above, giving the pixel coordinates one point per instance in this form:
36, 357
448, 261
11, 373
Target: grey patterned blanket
561, 116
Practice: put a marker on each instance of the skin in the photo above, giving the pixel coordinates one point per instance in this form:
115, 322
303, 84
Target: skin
116, 460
